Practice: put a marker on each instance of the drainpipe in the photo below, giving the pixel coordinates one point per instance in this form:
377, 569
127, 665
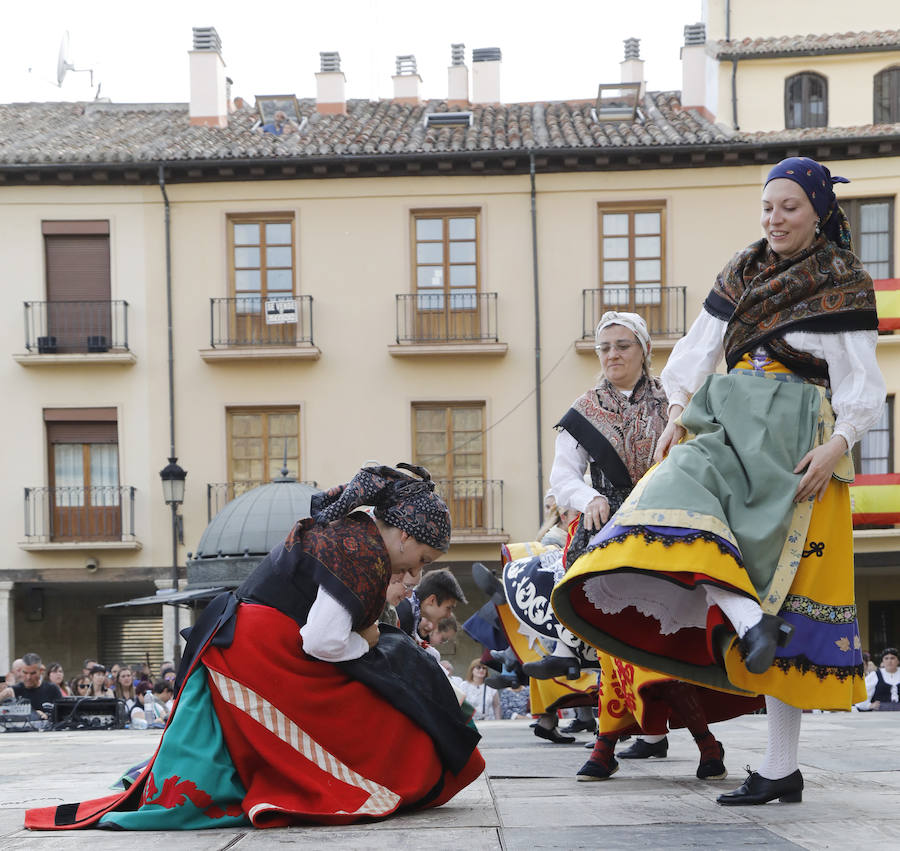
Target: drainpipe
168, 221
537, 342
734, 113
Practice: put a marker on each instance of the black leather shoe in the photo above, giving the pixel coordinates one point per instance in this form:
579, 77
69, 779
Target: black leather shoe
553, 666
643, 750
501, 681
713, 769
760, 642
579, 726
594, 771
553, 735
756, 789
488, 583
505, 657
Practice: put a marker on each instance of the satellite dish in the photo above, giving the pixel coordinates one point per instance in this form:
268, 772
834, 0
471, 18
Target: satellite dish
63, 64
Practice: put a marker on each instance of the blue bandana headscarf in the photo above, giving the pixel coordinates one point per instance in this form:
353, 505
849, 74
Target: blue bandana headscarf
816, 181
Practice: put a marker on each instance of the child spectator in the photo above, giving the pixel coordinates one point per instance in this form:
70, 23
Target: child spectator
434, 598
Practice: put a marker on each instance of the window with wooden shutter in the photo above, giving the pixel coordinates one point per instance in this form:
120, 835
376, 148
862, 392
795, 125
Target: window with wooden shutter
805, 101
260, 442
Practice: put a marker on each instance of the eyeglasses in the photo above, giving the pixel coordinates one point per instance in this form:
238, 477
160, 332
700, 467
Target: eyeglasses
83, 685
619, 346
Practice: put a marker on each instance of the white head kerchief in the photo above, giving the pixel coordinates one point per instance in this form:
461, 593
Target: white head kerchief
632, 321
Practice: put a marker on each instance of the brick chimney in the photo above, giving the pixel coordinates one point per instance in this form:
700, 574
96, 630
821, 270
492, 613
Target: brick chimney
330, 81
457, 77
209, 87
693, 71
486, 75
632, 65
407, 81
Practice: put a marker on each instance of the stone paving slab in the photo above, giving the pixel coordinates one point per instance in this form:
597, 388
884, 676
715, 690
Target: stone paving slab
528, 799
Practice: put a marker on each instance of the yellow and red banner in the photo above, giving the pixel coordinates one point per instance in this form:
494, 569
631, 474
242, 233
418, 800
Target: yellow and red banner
875, 499
887, 300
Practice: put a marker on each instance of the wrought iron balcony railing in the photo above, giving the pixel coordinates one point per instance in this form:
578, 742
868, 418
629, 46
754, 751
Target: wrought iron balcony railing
219, 494
76, 327
74, 514
476, 505
663, 308
439, 317
255, 321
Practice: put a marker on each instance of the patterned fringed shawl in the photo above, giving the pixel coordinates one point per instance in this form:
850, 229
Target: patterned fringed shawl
823, 289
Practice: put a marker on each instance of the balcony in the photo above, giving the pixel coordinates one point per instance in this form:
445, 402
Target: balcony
663, 309
59, 332
96, 517
476, 509
438, 323
250, 328
219, 494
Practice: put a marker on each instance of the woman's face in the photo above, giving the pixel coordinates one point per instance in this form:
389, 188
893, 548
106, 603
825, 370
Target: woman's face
407, 554
400, 587
890, 662
125, 677
621, 356
99, 679
57, 675
82, 685
788, 218
479, 672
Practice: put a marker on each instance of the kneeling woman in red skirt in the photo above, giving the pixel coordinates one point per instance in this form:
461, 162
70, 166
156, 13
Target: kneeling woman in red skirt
292, 706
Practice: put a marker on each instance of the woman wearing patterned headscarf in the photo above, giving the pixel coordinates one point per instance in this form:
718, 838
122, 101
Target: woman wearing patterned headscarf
731, 563
291, 701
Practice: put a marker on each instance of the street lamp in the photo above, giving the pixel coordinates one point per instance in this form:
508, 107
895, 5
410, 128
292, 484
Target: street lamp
173, 478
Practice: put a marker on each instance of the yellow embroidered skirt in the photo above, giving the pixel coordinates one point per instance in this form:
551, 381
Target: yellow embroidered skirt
722, 514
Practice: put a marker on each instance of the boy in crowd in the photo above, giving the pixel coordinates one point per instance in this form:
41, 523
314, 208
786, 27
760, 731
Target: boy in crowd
433, 599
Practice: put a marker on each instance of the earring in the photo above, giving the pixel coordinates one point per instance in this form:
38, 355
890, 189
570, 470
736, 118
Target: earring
818, 226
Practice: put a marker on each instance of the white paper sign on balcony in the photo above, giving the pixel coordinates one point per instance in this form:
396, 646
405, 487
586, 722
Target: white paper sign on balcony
280, 311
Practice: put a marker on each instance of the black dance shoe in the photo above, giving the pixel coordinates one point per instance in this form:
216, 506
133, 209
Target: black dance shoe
756, 789
553, 735
488, 583
595, 771
760, 642
502, 681
579, 726
553, 666
644, 750
713, 769
505, 657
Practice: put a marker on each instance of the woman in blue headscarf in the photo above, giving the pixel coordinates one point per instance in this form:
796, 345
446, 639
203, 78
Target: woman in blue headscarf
731, 565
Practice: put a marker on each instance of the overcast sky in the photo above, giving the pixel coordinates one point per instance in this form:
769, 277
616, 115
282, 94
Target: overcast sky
138, 52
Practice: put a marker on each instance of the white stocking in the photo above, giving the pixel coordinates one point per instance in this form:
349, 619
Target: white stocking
651, 740
784, 739
563, 650
743, 612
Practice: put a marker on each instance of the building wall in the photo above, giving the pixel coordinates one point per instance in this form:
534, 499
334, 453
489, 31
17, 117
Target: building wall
773, 18
761, 83
353, 257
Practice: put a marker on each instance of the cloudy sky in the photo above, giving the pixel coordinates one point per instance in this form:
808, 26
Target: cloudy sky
551, 50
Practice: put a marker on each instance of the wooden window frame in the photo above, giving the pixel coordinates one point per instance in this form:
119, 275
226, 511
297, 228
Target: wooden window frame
260, 409
260, 218
447, 406
889, 77
851, 207
444, 213
857, 449
804, 78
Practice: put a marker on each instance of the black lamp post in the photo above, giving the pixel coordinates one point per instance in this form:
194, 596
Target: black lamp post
173, 478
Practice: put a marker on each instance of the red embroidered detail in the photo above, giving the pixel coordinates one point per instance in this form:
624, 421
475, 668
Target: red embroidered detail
174, 792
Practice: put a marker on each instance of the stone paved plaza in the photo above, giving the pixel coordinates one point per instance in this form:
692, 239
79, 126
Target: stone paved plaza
528, 799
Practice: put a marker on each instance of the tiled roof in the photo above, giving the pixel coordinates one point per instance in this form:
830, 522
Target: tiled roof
84, 133
823, 134
808, 44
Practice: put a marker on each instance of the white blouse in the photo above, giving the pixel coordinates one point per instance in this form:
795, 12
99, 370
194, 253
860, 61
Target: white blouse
893, 680
328, 632
857, 386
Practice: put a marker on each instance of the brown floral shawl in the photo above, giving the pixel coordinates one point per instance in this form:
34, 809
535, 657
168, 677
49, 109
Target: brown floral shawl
761, 297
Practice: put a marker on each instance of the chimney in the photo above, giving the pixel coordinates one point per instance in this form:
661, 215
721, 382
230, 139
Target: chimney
407, 80
457, 77
330, 97
209, 89
633, 66
693, 69
486, 75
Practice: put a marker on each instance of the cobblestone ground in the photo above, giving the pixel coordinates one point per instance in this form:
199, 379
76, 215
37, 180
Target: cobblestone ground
528, 799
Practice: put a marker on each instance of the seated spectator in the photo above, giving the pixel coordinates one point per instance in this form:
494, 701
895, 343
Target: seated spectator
883, 683
165, 669
484, 699
163, 695
514, 702
31, 688
434, 598
87, 665
57, 676
80, 686
98, 683
15, 672
124, 688
447, 665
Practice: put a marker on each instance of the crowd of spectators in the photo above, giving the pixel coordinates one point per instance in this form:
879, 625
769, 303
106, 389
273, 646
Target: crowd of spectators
41, 685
